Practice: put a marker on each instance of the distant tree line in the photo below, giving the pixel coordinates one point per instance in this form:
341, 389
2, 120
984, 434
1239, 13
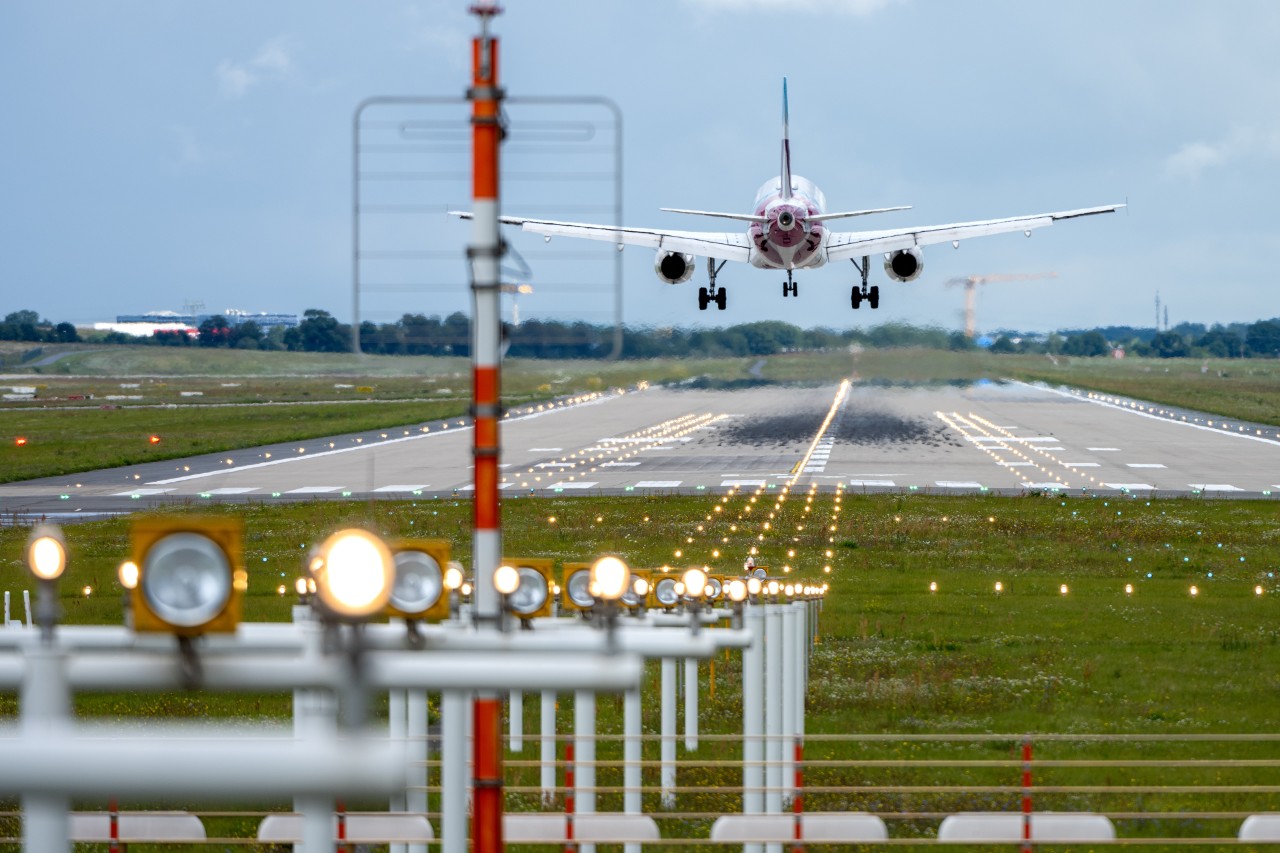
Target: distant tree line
419, 334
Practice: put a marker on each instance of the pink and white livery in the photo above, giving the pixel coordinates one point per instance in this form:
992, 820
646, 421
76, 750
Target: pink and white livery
788, 231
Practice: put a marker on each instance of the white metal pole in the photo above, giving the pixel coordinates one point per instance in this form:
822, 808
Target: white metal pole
515, 721
46, 712
632, 777
547, 747
773, 709
584, 756
753, 719
315, 717
787, 744
416, 793
397, 731
690, 704
453, 772
802, 667
668, 760
26, 605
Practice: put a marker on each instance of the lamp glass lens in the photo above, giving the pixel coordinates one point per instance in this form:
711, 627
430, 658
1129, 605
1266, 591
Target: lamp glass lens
578, 588
419, 582
714, 588
531, 593
665, 591
186, 579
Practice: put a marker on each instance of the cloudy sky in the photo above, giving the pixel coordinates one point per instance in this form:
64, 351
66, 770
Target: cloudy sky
159, 153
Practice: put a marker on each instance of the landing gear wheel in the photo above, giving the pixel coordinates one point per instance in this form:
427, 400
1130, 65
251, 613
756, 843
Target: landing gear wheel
855, 297
786, 290
722, 296
703, 299
873, 296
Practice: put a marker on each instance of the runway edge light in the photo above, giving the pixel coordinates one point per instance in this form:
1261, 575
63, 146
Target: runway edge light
575, 587
202, 559
418, 590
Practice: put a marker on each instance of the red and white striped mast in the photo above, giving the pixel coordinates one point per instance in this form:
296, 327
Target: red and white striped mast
485, 252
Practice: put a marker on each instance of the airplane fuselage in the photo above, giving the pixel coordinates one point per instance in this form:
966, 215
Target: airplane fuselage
786, 240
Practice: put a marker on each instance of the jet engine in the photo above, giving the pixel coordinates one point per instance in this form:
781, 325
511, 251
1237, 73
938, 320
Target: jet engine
904, 264
673, 267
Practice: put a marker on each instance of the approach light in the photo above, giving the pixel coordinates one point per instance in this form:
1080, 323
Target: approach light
1194, 590
999, 587
637, 593
715, 588
753, 586
190, 575
532, 596
453, 576
772, 588
127, 574
354, 573
506, 579
418, 591
46, 552
465, 590
610, 578
695, 582
665, 594
933, 586
576, 587
1064, 589
789, 590
1128, 589
736, 590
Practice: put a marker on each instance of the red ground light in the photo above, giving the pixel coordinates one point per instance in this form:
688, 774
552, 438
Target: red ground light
155, 439
19, 441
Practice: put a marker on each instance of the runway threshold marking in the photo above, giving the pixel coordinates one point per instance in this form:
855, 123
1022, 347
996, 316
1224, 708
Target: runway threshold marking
799, 468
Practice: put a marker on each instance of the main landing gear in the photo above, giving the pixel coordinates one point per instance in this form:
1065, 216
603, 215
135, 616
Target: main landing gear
789, 287
858, 294
711, 293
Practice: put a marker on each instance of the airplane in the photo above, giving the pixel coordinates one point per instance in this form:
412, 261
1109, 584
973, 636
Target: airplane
788, 231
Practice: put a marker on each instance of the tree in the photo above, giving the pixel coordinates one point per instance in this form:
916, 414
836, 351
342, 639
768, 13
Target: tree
1263, 338
65, 333
320, 332
1169, 345
1221, 342
214, 332
1088, 344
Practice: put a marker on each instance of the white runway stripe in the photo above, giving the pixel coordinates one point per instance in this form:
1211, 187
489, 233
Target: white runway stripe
1215, 487
232, 490
658, 484
1132, 487
887, 484
314, 490
142, 493
1143, 465
571, 486
957, 484
401, 488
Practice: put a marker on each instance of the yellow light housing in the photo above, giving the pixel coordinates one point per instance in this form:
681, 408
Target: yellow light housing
532, 597
190, 575
665, 592
418, 591
354, 573
575, 587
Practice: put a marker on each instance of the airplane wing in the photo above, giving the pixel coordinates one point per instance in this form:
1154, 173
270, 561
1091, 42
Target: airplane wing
853, 244
705, 244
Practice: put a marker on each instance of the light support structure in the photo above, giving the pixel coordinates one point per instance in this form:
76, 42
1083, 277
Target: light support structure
485, 253
753, 719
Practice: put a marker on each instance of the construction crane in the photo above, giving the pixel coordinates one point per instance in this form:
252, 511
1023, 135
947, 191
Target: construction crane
971, 287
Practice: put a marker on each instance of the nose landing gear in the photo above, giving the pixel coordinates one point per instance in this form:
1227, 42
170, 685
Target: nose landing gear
789, 287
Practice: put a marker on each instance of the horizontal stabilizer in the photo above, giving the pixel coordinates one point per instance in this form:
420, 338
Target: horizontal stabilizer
823, 217
745, 217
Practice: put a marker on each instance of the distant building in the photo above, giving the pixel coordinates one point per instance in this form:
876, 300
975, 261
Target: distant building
144, 325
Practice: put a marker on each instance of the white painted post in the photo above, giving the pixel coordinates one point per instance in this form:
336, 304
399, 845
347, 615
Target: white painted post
315, 717
6, 609
46, 712
632, 778
547, 747
788, 682
691, 704
515, 721
667, 764
453, 772
773, 711
397, 731
584, 756
753, 719
26, 605
416, 795
802, 667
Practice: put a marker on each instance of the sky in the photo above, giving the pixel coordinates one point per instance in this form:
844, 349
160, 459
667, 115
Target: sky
160, 153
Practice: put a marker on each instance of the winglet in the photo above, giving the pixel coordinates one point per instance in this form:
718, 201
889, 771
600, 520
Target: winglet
785, 177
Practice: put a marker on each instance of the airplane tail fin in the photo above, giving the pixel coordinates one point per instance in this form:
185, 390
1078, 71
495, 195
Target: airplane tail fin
786, 145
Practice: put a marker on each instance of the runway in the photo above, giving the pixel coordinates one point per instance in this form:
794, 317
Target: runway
1001, 437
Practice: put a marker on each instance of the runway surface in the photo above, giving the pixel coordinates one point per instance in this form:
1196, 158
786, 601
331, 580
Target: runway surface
1004, 438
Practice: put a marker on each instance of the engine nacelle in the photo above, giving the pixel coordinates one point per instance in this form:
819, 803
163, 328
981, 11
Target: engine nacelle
904, 264
673, 267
